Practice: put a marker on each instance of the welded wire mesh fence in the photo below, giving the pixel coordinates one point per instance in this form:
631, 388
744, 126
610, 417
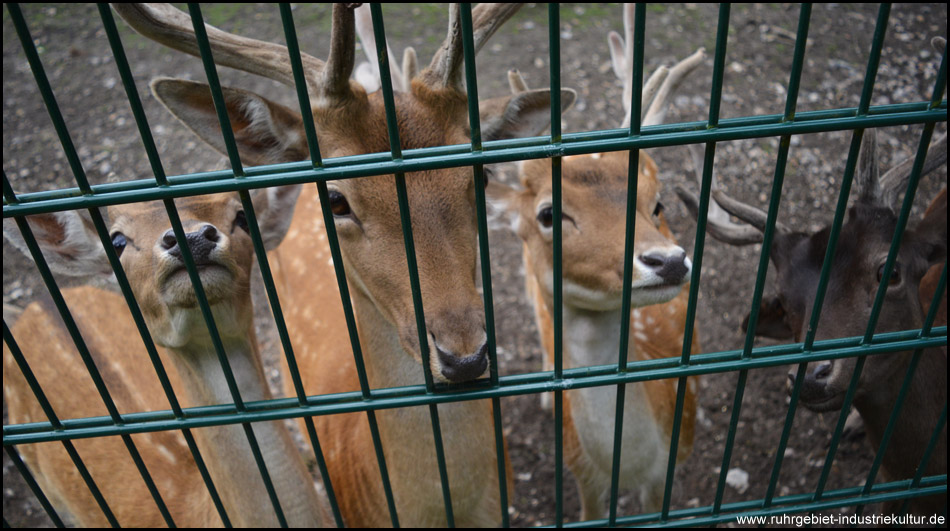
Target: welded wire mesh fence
712, 128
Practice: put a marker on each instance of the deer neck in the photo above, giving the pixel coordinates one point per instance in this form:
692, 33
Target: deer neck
226, 450
917, 419
593, 338
408, 442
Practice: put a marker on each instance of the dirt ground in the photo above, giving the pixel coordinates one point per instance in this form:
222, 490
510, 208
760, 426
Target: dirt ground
75, 53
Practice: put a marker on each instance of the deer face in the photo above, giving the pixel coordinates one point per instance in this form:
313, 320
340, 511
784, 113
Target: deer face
856, 272
855, 276
594, 191
216, 234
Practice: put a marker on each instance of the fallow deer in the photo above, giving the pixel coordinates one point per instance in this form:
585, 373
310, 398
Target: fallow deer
151, 256
594, 187
855, 274
366, 218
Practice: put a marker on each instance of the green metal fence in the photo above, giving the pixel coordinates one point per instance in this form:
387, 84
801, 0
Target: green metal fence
319, 171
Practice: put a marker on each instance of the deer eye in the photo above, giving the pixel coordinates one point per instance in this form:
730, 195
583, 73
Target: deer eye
895, 274
546, 217
119, 242
240, 220
338, 204
659, 208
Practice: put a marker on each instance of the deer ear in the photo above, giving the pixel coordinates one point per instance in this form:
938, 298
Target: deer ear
772, 322
524, 114
265, 132
68, 241
274, 208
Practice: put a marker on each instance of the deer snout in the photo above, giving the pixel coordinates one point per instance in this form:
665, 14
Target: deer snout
670, 267
816, 393
201, 243
459, 369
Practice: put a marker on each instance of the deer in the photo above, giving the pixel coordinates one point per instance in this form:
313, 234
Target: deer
593, 261
217, 236
366, 218
856, 272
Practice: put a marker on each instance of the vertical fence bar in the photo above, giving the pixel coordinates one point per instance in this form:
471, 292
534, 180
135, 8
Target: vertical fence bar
340, 273
471, 83
204, 47
777, 181
303, 99
874, 58
633, 167
715, 101
938, 429
403, 200
554, 56
72, 156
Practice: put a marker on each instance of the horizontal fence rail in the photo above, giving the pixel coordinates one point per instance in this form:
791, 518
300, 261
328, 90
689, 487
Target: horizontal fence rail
320, 171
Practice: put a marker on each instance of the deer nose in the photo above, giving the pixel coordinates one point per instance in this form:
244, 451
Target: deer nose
814, 382
200, 243
458, 369
670, 267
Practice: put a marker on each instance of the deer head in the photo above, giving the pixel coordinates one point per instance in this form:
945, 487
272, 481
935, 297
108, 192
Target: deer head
433, 112
217, 235
594, 188
856, 271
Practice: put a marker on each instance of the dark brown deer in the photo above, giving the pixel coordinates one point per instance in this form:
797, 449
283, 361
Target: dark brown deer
855, 274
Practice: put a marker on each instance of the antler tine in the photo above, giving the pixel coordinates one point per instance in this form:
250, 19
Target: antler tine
895, 180
868, 178
621, 56
445, 69
364, 29
659, 87
487, 18
410, 67
748, 213
334, 82
718, 223
516, 82
657, 112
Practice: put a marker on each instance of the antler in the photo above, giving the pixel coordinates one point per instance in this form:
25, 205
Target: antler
883, 191
445, 69
659, 87
173, 28
871, 188
717, 220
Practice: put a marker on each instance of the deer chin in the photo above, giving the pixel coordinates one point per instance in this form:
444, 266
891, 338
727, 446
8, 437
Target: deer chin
653, 294
821, 400
217, 281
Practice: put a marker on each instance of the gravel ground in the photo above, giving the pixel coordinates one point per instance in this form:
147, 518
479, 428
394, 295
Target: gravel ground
75, 53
